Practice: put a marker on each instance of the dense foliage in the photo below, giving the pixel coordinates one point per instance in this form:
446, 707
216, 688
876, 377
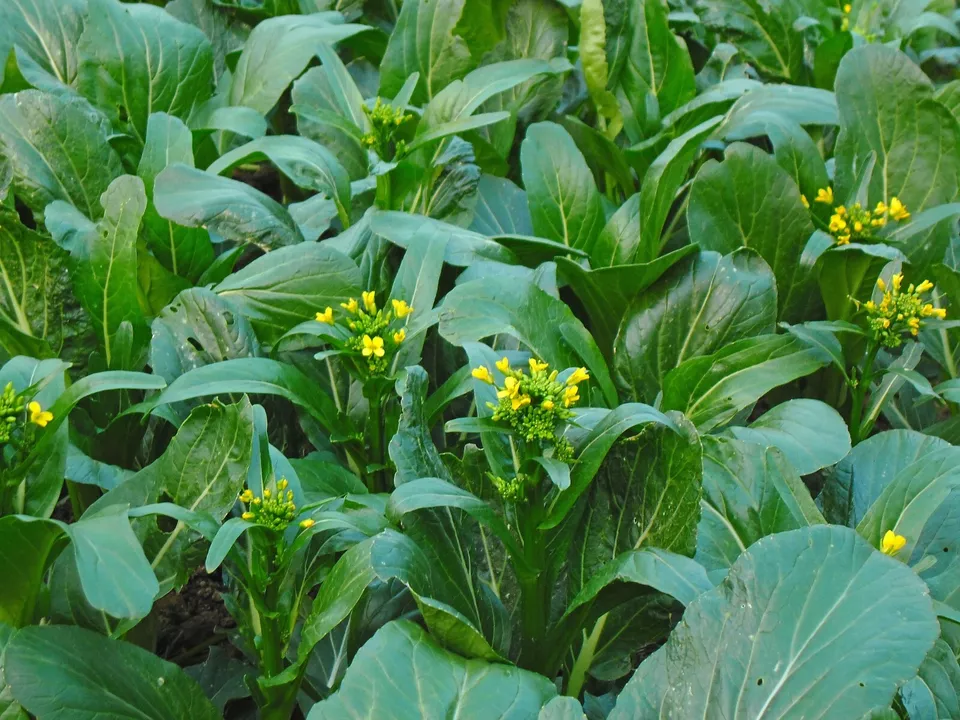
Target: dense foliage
536, 359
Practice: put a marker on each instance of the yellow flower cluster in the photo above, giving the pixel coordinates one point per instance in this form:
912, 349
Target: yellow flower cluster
274, 511
12, 406
900, 311
385, 120
533, 403
845, 22
892, 543
372, 330
857, 223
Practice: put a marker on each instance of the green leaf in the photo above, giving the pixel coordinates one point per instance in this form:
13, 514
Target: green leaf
711, 390
909, 500
224, 32
307, 164
501, 208
416, 282
464, 247
186, 252
857, 481
68, 673
47, 30
699, 306
426, 40
749, 648
27, 549
933, 693
199, 328
657, 63
277, 51
810, 433
137, 59
482, 308
564, 202
593, 58
915, 140
593, 449
290, 285
662, 182
104, 258
749, 492
230, 208
750, 115
385, 679
253, 376
748, 200
57, 146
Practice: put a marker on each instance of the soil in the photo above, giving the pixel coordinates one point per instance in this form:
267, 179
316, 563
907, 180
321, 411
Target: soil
191, 619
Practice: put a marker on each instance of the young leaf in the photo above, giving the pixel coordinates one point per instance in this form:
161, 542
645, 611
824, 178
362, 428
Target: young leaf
27, 549
48, 31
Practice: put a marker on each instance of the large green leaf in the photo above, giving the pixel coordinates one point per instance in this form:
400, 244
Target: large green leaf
810, 433
68, 673
564, 202
501, 208
859, 479
57, 146
482, 308
464, 247
699, 306
47, 30
426, 40
749, 492
748, 200
308, 164
38, 310
933, 693
712, 389
199, 328
27, 549
606, 292
228, 207
104, 260
795, 630
290, 285
186, 252
386, 679
137, 59
224, 32
277, 51
915, 139
657, 63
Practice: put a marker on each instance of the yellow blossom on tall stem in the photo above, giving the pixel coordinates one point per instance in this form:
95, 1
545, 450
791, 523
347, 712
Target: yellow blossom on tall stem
898, 211
892, 543
39, 416
372, 347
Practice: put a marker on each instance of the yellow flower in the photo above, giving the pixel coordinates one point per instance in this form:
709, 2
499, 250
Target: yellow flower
881, 285
537, 366
247, 516
806, 203
519, 402
39, 416
897, 282
925, 286
368, 301
844, 239
914, 325
483, 374
503, 365
881, 208
858, 226
351, 306
898, 211
841, 210
892, 543
837, 223
847, 8
401, 309
570, 396
266, 494
283, 484
547, 404
825, 195
372, 346
399, 336
326, 316
246, 496
578, 376
511, 387
308, 523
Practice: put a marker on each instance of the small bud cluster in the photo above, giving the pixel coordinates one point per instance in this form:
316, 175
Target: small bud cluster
900, 311
12, 407
512, 490
857, 223
273, 510
373, 334
385, 120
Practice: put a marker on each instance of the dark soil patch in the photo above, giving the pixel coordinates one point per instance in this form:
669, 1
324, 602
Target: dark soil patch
191, 620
